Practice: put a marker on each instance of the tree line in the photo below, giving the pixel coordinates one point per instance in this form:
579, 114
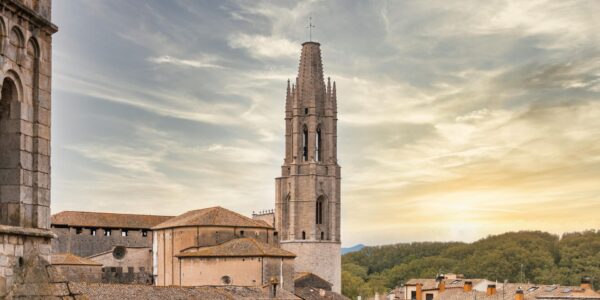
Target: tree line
524, 256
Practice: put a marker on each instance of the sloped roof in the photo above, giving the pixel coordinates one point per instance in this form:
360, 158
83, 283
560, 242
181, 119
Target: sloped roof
99, 291
212, 216
309, 293
308, 279
432, 284
530, 291
106, 220
62, 259
242, 247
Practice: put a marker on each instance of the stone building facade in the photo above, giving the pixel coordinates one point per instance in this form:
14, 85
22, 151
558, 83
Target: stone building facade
25, 76
90, 233
200, 228
239, 262
307, 205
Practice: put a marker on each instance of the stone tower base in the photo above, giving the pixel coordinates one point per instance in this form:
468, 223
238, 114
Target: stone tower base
322, 258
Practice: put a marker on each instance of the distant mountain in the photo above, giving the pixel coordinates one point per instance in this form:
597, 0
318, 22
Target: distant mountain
352, 249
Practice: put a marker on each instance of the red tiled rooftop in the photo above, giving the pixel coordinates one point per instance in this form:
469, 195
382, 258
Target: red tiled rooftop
212, 216
106, 220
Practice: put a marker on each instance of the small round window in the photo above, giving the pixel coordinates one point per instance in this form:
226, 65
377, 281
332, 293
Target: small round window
119, 252
226, 280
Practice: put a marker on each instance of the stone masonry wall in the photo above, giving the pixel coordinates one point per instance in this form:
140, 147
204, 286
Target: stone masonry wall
323, 259
81, 273
16, 251
84, 244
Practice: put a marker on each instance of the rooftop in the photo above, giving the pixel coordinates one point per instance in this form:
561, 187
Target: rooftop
242, 247
106, 220
432, 284
131, 291
68, 259
212, 216
530, 291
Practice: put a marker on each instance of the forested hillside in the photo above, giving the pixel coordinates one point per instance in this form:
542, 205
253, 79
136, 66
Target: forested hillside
544, 257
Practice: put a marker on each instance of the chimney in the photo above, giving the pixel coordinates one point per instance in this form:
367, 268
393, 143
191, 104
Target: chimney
491, 290
519, 295
468, 286
441, 284
586, 282
419, 295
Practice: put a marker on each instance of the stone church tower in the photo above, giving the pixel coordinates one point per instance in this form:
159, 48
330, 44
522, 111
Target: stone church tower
307, 205
25, 71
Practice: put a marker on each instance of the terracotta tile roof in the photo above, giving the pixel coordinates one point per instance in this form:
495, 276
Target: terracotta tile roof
432, 284
302, 275
308, 293
103, 291
212, 216
63, 259
531, 292
106, 220
242, 247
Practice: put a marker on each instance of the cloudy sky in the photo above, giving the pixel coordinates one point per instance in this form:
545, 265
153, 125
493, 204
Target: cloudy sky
457, 119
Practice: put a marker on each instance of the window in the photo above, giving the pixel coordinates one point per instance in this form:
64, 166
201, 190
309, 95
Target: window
303, 235
226, 280
306, 110
241, 233
322, 235
318, 144
144, 232
124, 232
319, 212
93, 231
428, 296
78, 230
305, 144
107, 232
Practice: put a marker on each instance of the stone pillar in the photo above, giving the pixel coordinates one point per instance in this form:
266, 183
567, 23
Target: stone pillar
25, 79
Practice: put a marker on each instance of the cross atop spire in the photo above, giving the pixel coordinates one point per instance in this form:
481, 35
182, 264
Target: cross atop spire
310, 27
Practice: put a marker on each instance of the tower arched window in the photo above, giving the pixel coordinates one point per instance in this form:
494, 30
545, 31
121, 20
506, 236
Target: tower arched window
3, 36
305, 144
318, 144
319, 212
303, 235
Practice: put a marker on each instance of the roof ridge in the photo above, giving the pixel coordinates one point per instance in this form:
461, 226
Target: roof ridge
107, 213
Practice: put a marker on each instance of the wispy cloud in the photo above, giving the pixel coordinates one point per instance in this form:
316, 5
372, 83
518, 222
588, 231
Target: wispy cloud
456, 119
200, 63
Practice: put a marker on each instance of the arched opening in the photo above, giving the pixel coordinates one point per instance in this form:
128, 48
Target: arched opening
2, 37
303, 235
304, 144
8, 97
319, 211
16, 43
318, 144
9, 154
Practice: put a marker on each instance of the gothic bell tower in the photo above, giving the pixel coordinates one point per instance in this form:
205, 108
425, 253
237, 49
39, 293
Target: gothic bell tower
307, 205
